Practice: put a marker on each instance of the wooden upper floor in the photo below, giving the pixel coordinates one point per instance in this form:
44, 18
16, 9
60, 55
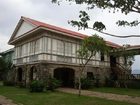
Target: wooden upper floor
35, 41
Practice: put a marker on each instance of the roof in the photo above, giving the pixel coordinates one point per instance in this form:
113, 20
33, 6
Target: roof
59, 29
38, 23
113, 44
134, 47
7, 51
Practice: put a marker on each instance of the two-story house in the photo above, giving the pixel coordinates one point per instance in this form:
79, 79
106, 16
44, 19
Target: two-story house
43, 50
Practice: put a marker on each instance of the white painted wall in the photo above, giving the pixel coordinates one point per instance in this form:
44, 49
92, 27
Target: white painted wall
40, 57
25, 27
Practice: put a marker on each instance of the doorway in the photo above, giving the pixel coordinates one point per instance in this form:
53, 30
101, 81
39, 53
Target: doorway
19, 74
65, 75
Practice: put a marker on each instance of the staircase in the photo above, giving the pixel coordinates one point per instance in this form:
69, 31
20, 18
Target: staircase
122, 76
123, 73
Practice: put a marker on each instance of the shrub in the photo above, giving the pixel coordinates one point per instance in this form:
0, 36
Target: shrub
109, 82
86, 83
21, 84
8, 83
97, 82
134, 84
52, 83
36, 86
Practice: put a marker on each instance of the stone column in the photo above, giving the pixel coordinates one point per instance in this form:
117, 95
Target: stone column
51, 72
43, 75
27, 75
15, 79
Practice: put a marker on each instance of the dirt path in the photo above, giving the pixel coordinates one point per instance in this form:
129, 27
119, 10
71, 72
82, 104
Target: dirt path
109, 96
5, 101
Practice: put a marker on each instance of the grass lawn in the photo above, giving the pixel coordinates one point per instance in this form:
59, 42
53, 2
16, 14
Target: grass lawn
23, 96
1, 83
123, 91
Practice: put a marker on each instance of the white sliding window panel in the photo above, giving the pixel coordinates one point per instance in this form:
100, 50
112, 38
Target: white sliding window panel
32, 47
74, 50
49, 45
54, 46
60, 47
68, 49
45, 44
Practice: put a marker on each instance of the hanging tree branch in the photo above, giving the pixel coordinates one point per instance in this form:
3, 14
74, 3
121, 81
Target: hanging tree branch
125, 6
99, 26
114, 35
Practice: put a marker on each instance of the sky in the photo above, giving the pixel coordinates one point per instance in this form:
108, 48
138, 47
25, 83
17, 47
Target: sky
59, 15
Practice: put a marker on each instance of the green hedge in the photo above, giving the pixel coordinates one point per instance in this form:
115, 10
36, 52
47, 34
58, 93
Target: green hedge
52, 83
8, 83
36, 86
135, 84
86, 83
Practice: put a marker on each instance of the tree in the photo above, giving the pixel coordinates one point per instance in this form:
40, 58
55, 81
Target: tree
128, 55
125, 6
89, 48
3, 67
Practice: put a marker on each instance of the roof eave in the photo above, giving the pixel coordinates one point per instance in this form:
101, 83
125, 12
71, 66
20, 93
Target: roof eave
60, 32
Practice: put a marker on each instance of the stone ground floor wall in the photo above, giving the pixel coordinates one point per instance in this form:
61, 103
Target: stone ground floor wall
41, 71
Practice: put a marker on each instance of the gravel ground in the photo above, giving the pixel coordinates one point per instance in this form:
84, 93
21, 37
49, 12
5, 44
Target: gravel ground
5, 101
109, 96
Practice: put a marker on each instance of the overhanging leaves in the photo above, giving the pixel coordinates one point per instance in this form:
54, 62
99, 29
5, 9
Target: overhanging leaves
125, 6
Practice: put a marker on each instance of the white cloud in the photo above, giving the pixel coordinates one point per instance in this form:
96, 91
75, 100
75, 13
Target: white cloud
3, 43
136, 65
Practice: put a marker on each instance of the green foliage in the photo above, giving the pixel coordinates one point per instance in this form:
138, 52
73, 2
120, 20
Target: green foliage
92, 45
52, 83
99, 26
134, 84
2, 64
126, 6
86, 83
128, 55
97, 82
122, 51
8, 83
109, 82
82, 23
36, 86
95, 44
3, 68
126, 23
21, 85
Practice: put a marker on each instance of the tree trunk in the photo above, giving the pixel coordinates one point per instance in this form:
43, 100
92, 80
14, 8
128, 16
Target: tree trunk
79, 88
